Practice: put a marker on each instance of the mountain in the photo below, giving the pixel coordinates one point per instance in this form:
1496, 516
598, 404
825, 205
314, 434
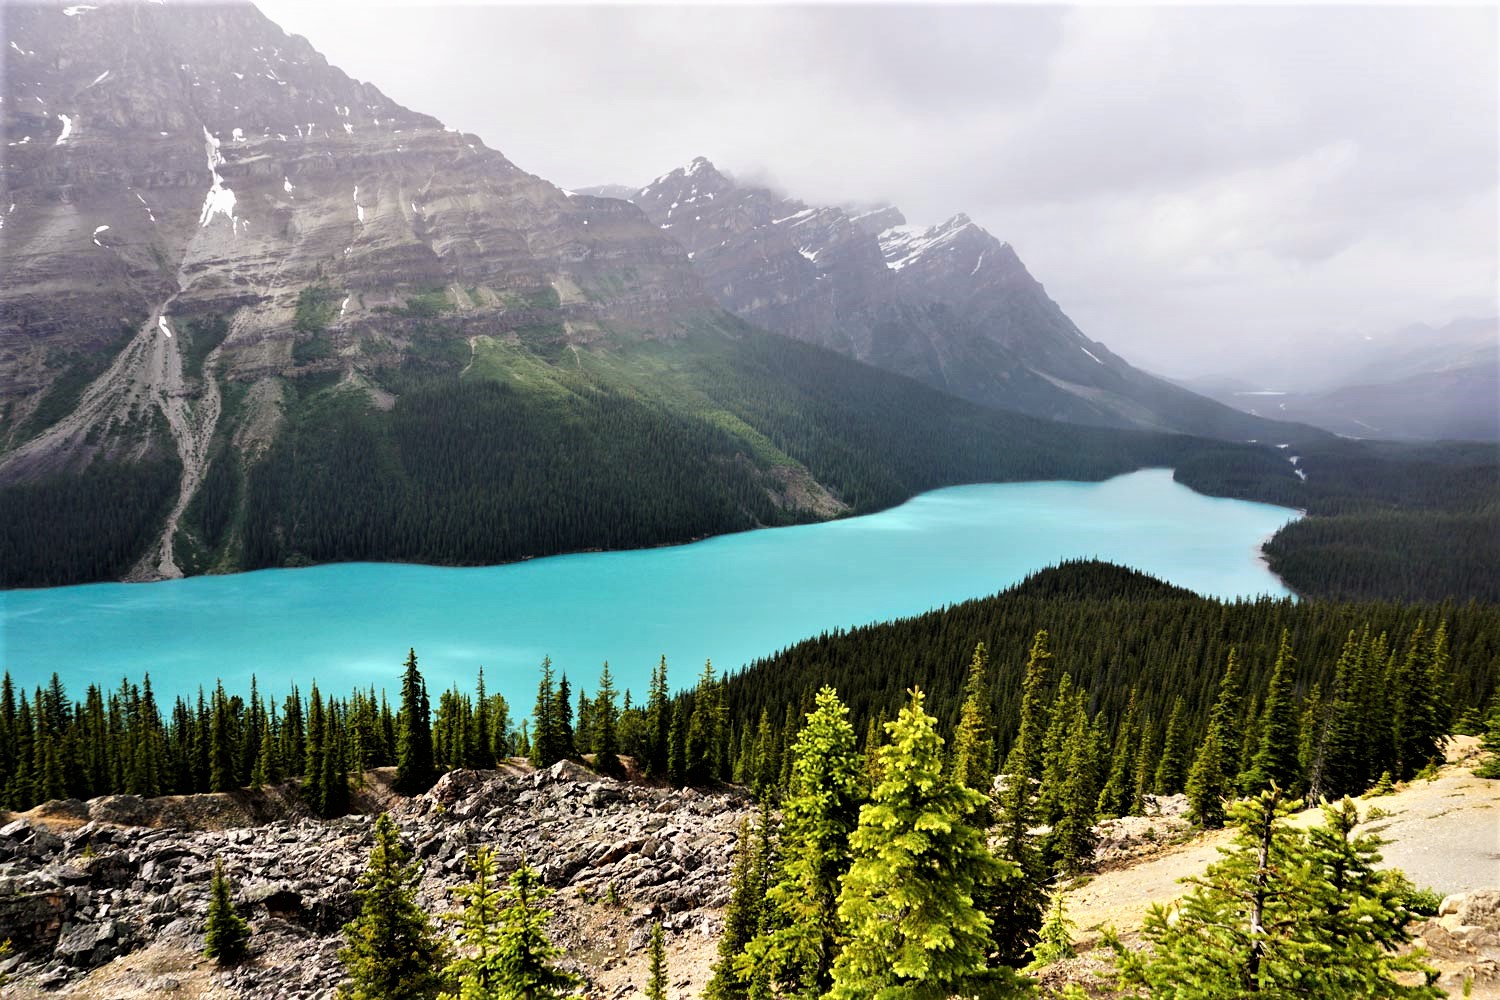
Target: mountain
258, 314
1417, 383
948, 304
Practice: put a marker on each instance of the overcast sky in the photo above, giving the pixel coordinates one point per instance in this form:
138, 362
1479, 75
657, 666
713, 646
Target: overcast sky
1190, 183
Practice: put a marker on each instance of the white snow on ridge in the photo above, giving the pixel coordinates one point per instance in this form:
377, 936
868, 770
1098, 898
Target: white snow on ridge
161, 324
220, 199
980, 261
67, 123
77, 9
238, 135
100, 78
1090, 353
796, 215
359, 210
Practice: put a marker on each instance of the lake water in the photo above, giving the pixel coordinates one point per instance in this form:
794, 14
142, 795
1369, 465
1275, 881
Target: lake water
732, 598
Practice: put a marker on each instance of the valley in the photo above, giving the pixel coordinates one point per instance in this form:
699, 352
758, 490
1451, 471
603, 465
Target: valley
422, 580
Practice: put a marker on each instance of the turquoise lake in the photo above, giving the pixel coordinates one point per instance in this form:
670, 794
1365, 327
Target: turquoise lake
732, 598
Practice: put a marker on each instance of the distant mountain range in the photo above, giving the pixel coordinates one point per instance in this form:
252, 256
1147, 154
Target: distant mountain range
1416, 383
255, 313
949, 304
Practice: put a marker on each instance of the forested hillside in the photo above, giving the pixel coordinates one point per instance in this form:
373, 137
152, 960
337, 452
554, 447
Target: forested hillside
504, 448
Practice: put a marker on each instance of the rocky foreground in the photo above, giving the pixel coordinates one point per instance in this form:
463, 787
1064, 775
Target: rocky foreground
620, 855
107, 899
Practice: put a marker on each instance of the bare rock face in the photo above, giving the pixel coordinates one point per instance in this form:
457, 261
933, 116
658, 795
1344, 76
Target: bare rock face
948, 304
168, 162
619, 856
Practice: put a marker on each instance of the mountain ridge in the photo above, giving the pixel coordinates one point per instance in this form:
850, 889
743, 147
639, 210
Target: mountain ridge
949, 304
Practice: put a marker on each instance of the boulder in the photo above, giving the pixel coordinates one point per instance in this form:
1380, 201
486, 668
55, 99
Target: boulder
1480, 908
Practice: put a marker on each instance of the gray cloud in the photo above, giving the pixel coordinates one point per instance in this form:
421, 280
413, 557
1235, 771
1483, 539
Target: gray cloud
1184, 180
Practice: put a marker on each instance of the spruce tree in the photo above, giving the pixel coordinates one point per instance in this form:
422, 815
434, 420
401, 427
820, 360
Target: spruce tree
1211, 778
391, 949
1069, 846
819, 814
1282, 914
656, 985
476, 970
705, 730
973, 744
415, 767
523, 953
1118, 797
1171, 770
1056, 940
607, 726
1024, 764
737, 974
482, 752
546, 733
658, 722
1275, 761
226, 934
221, 755
1490, 743
907, 901
567, 742
317, 748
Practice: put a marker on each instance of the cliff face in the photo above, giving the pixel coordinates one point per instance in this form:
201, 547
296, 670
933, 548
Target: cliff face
948, 304
165, 163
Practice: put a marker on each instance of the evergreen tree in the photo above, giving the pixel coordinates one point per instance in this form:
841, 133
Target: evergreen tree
656, 986
391, 952
1490, 743
221, 755
907, 901
1283, 914
1275, 761
1211, 779
819, 814
705, 730
415, 767
658, 723
1069, 846
567, 739
267, 769
334, 784
1056, 941
523, 953
973, 745
737, 974
1171, 770
677, 758
476, 970
482, 750
226, 934
313, 791
547, 744
1118, 795
607, 726
1024, 764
